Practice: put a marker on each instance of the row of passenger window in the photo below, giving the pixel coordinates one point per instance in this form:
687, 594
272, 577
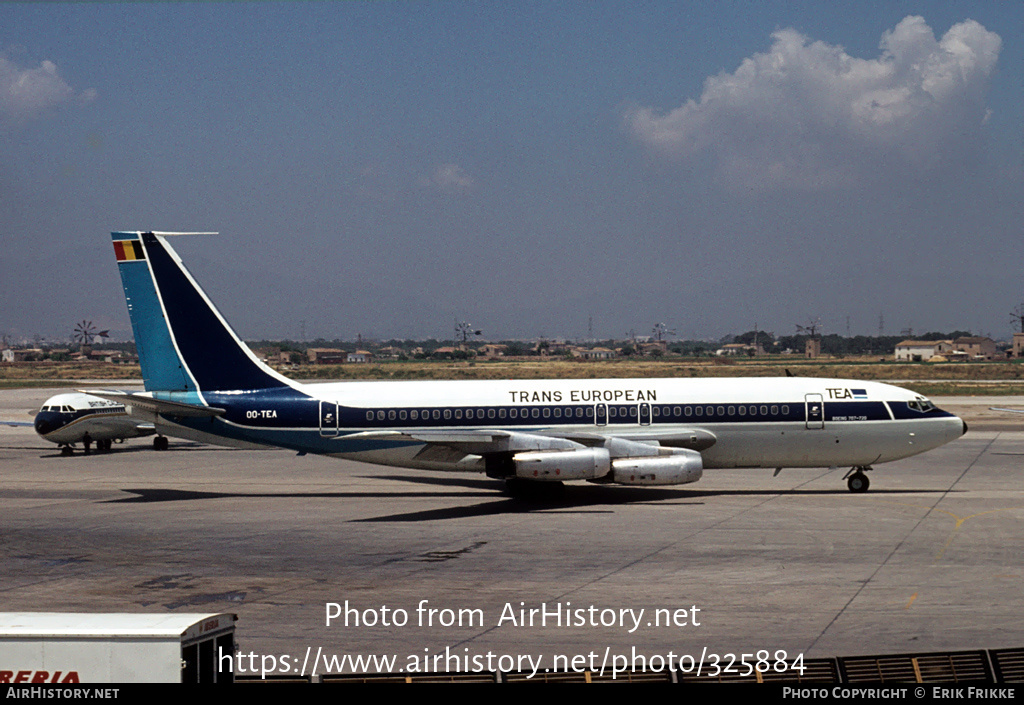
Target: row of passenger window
570, 413
740, 410
546, 412
98, 410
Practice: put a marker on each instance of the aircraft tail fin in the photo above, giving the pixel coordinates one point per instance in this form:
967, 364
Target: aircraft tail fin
183, 342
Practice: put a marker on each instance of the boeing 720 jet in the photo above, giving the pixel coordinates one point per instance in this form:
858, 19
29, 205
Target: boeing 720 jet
202, 382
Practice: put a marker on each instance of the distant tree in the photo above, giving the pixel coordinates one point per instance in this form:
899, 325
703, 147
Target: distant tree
763, 338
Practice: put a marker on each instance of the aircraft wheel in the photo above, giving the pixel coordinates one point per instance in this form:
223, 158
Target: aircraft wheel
67, 450
160, 443
858, 482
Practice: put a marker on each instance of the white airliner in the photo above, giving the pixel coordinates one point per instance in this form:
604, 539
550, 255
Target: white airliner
203, 383
77, 417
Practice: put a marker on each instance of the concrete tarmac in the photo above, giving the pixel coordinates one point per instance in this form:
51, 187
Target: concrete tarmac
928, 560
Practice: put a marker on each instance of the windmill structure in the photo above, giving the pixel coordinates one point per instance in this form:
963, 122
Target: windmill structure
813, 332
85, 334
463, 332
660, 331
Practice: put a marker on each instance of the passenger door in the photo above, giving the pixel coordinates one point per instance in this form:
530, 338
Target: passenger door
815, 407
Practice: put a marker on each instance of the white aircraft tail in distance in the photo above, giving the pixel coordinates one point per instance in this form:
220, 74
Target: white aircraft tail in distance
202, 382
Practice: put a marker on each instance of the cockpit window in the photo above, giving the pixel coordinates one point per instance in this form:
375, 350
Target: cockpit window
921, 404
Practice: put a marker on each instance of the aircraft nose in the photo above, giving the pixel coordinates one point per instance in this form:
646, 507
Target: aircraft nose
46, 421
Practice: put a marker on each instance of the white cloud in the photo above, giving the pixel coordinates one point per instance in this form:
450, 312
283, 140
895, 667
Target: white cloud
451, 178
806, 114
28, 92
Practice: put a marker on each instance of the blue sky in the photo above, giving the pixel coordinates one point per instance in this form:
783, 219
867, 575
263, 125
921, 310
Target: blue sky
386, 168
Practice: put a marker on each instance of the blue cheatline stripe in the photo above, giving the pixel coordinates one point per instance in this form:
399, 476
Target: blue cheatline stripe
286, 408
161, 366
213, 354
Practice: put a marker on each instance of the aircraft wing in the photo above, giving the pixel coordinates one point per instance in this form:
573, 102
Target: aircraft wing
476, 442
691, 438
483, 441
1016, 411
157, 406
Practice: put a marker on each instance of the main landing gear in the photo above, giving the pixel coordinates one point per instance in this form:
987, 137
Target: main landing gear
856, 480
160, 443
102, 446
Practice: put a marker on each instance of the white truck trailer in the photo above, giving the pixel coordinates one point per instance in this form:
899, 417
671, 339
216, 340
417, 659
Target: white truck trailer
69, 647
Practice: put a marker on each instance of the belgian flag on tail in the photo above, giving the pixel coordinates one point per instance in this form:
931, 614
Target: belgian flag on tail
128, 250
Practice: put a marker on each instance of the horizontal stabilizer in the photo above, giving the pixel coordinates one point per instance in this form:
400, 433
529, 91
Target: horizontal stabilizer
157, 406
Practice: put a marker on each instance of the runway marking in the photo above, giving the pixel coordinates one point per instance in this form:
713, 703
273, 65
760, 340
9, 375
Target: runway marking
912, 598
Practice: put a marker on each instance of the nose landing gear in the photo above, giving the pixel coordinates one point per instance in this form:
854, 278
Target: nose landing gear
856, 480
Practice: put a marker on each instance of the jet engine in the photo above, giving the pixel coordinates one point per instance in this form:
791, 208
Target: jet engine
675, 467
681, 467
582, 464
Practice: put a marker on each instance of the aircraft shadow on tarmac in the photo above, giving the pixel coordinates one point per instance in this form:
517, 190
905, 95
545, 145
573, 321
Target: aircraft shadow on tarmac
573, 499
119, 449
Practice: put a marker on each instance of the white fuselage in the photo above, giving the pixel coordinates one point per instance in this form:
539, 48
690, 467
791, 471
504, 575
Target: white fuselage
748, 422
71, 417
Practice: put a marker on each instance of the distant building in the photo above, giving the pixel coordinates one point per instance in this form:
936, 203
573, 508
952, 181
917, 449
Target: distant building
925, 350
105, 355
653, 347
359, 356
326, 356
977, 347
731, 349
25, 355
597, 354
273, 355
492, 350
918, 350
1018, 344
